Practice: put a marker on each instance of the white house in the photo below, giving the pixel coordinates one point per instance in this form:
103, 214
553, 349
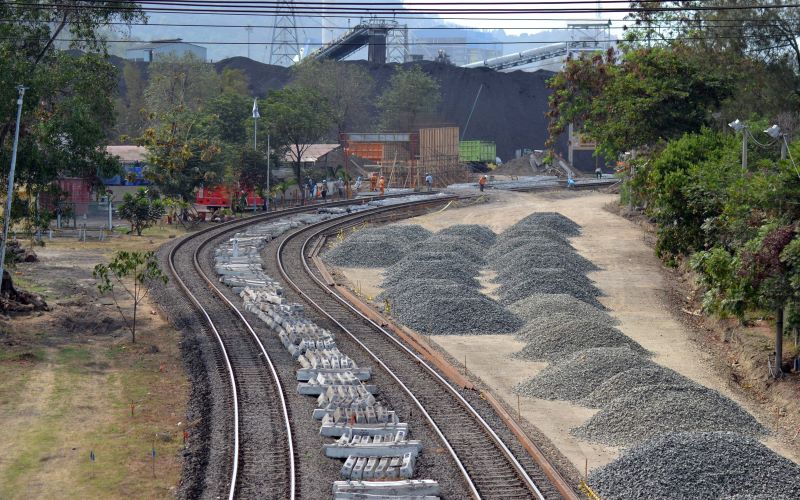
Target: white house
151, 51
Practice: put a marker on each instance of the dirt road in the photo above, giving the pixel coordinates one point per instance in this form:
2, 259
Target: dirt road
632, 280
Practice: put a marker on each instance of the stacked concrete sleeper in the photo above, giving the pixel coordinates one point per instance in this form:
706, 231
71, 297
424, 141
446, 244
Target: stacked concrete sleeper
378, 455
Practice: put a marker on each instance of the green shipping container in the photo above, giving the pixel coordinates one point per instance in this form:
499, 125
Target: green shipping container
477, 152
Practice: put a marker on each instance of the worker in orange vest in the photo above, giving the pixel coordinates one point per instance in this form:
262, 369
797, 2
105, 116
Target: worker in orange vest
382, 185
482, 182
373, 181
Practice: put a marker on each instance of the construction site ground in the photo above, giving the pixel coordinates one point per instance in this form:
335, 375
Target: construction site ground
73, 385
649, 301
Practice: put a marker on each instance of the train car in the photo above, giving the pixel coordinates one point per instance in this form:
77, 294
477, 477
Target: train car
220, 197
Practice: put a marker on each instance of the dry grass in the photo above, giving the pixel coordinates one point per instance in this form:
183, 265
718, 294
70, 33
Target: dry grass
68, 378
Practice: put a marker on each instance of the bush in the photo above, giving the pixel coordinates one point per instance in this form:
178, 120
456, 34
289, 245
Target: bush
141, 210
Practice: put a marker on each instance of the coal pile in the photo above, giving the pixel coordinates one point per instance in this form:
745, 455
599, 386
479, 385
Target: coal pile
623, 383
550, 220
557, 342
456, 315
695, 465
539, 307
444, 270
582, 373
481, 235
647, 411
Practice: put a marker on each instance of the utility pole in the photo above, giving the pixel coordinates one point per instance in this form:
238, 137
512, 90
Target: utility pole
256, 116
248, 29
745, 131
268, 179
10, 192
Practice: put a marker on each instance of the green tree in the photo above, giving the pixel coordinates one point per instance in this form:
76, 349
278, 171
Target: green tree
296, 117
141, 210
130, 107
347, 88
411, 98
180, 82
140, 270
67, 107
654, 94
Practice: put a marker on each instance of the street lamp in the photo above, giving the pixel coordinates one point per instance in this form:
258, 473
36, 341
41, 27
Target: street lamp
776, 133
738, 126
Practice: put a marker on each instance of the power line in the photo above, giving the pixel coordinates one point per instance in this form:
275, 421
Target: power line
179, 7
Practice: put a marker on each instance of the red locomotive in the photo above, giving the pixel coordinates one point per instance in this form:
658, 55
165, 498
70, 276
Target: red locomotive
220, 197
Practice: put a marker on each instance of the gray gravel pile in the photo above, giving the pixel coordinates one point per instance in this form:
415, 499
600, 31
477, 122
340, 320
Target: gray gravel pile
560, 321
445, 270
696, 465
538, 245
449, 243
539, 307
530, 257
455, 315
405, 292
582, 373
623, 383
373, 251
647, 411
526, 287
440, 256
531, 233
555, 343
512, 275
479, 234
405, 233
550, 220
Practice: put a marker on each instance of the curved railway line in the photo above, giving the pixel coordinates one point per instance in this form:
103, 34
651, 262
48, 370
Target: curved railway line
485, 462
262, 450
262, 453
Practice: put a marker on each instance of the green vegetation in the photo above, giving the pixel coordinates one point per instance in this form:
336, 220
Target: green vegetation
141, 210
141, 269
412, 97
662, 106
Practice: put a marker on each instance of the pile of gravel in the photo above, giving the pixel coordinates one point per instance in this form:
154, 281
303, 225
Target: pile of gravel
550, 220
516, 291
375, 247
451, 243
579, 375
623, 383
372, 251
690, 465
539, 307
445, 270
531, 234
428, 256
539, 245
561, 321
530, 257
405, 233
556, 343
479, 234
647, 411
405, 293
459, 315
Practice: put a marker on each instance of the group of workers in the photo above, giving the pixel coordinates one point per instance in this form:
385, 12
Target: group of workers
324, 188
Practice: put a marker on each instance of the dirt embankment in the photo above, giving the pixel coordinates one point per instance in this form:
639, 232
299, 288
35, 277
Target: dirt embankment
739, 352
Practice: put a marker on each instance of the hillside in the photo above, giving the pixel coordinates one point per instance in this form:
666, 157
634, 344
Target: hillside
509, 111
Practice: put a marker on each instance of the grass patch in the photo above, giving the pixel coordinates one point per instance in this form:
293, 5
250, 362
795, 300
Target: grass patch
34, 355
73, 355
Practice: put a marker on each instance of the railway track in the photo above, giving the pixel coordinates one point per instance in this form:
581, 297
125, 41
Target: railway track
260, 452
487, 465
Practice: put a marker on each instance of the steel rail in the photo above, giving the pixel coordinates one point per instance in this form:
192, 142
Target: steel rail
228, 227
326, 226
